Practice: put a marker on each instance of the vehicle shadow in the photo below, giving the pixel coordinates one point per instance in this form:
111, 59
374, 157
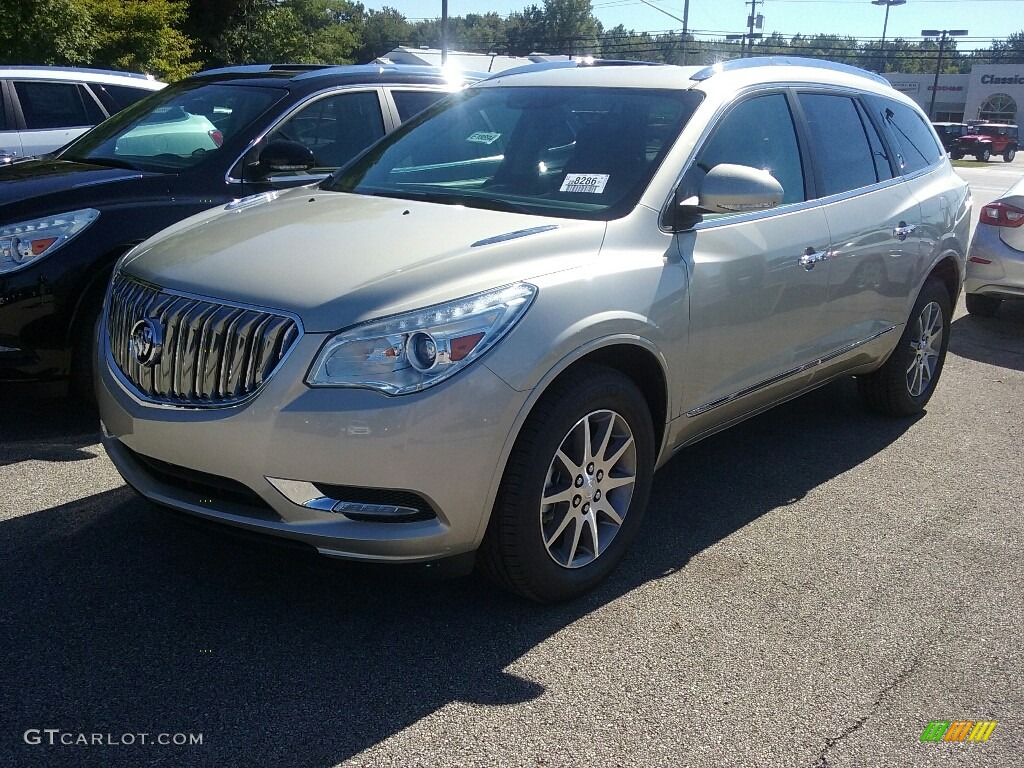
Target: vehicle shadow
995, 340
119, 619
35, 423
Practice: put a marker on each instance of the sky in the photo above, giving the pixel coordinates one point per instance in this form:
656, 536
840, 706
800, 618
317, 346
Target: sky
984, 19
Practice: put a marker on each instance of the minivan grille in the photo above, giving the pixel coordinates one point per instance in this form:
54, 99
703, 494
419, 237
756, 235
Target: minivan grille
192, 352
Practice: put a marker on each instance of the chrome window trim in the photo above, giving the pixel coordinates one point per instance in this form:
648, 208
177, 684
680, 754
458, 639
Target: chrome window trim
316, 96
785, 375
710, 125
767, 88
130, 389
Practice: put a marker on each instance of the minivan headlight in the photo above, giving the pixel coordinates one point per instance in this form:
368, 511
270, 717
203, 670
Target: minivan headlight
27, 241
412, 351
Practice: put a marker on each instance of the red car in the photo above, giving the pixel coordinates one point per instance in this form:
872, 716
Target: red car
986, 140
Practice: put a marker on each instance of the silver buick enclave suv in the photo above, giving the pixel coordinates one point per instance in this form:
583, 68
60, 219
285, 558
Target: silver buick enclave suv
486, 332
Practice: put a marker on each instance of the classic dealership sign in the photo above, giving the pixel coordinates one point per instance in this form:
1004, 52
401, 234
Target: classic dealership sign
993, 80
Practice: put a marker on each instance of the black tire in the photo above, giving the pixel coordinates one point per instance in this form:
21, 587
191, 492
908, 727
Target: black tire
516, 552
1009, 154
982, 306
983, 156
956, 154
890, 389
83, 357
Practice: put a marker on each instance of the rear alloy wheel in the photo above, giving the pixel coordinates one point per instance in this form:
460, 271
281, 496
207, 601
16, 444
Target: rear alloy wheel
1009, 154
982, 306
905, 383
983, 155
574, 490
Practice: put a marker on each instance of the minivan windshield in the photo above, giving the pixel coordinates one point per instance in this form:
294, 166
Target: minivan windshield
175, 128
576, 152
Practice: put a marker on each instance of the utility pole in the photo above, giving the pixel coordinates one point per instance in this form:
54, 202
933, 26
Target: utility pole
686, 31
943, 35
444, 32
752, 20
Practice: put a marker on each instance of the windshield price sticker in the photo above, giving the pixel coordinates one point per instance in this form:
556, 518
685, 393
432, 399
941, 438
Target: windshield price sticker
484, 137
591, 183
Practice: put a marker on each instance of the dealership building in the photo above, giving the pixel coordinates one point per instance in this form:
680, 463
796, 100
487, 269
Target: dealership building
991, 92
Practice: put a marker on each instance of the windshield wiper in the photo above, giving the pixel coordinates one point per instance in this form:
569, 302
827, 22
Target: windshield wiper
456, 198
110, 162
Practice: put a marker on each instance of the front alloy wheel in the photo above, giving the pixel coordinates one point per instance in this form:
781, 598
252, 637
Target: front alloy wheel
574, 489
588, 489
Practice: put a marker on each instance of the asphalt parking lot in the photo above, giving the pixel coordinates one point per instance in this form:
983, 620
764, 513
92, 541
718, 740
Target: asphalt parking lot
810, 590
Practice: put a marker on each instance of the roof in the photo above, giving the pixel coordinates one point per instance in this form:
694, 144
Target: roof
311, 74
734, 74
82, 74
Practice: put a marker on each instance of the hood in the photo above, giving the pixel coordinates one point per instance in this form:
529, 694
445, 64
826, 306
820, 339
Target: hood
40, 186
337, 259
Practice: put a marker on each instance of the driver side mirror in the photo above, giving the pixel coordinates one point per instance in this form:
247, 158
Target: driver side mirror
282, 156
728, 188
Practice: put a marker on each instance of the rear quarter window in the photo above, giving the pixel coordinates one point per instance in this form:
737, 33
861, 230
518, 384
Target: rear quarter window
117, 97
911, 137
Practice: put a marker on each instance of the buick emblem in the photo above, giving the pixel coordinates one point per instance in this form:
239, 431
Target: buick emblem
147, 342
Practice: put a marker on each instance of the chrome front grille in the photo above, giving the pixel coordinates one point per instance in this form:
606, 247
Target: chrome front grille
205, 353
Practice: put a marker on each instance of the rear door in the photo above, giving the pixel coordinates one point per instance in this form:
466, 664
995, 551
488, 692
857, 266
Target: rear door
10, 136
53, 113
872, 218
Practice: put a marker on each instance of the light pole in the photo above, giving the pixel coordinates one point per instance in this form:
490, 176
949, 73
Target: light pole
888, 4
943, 35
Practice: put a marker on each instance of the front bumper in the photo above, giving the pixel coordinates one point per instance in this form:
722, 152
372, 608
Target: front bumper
1004, 276
247, 465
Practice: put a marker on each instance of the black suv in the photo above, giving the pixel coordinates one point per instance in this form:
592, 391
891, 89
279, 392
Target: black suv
949, 133
208, 140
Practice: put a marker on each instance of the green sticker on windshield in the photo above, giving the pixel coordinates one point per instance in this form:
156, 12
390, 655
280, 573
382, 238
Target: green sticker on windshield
484, 137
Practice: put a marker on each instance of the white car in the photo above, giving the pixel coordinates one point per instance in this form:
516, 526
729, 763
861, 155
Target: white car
43, 108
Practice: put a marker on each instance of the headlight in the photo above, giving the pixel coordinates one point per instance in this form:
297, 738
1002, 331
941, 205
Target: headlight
415, 350
27, 241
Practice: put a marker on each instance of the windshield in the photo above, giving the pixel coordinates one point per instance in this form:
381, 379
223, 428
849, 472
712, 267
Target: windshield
175, 128
583, 153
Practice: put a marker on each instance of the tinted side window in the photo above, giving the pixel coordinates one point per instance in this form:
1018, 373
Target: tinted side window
909, 134
335, 128
758, 133
841, 147
883, 168
117, 97
51, 105
410, 103
92, 109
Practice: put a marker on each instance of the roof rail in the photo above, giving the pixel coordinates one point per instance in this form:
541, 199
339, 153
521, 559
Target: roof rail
587, 61
250, 68
792, 61
73, 70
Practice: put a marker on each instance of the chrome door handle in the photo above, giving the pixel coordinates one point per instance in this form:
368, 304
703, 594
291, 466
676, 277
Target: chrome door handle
811, 257
903, 230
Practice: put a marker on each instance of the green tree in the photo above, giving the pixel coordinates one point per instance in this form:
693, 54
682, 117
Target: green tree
46, 32
381, 31
292, 31
142, 36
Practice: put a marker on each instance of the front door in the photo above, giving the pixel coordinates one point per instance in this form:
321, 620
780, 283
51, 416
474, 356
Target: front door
758, 281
